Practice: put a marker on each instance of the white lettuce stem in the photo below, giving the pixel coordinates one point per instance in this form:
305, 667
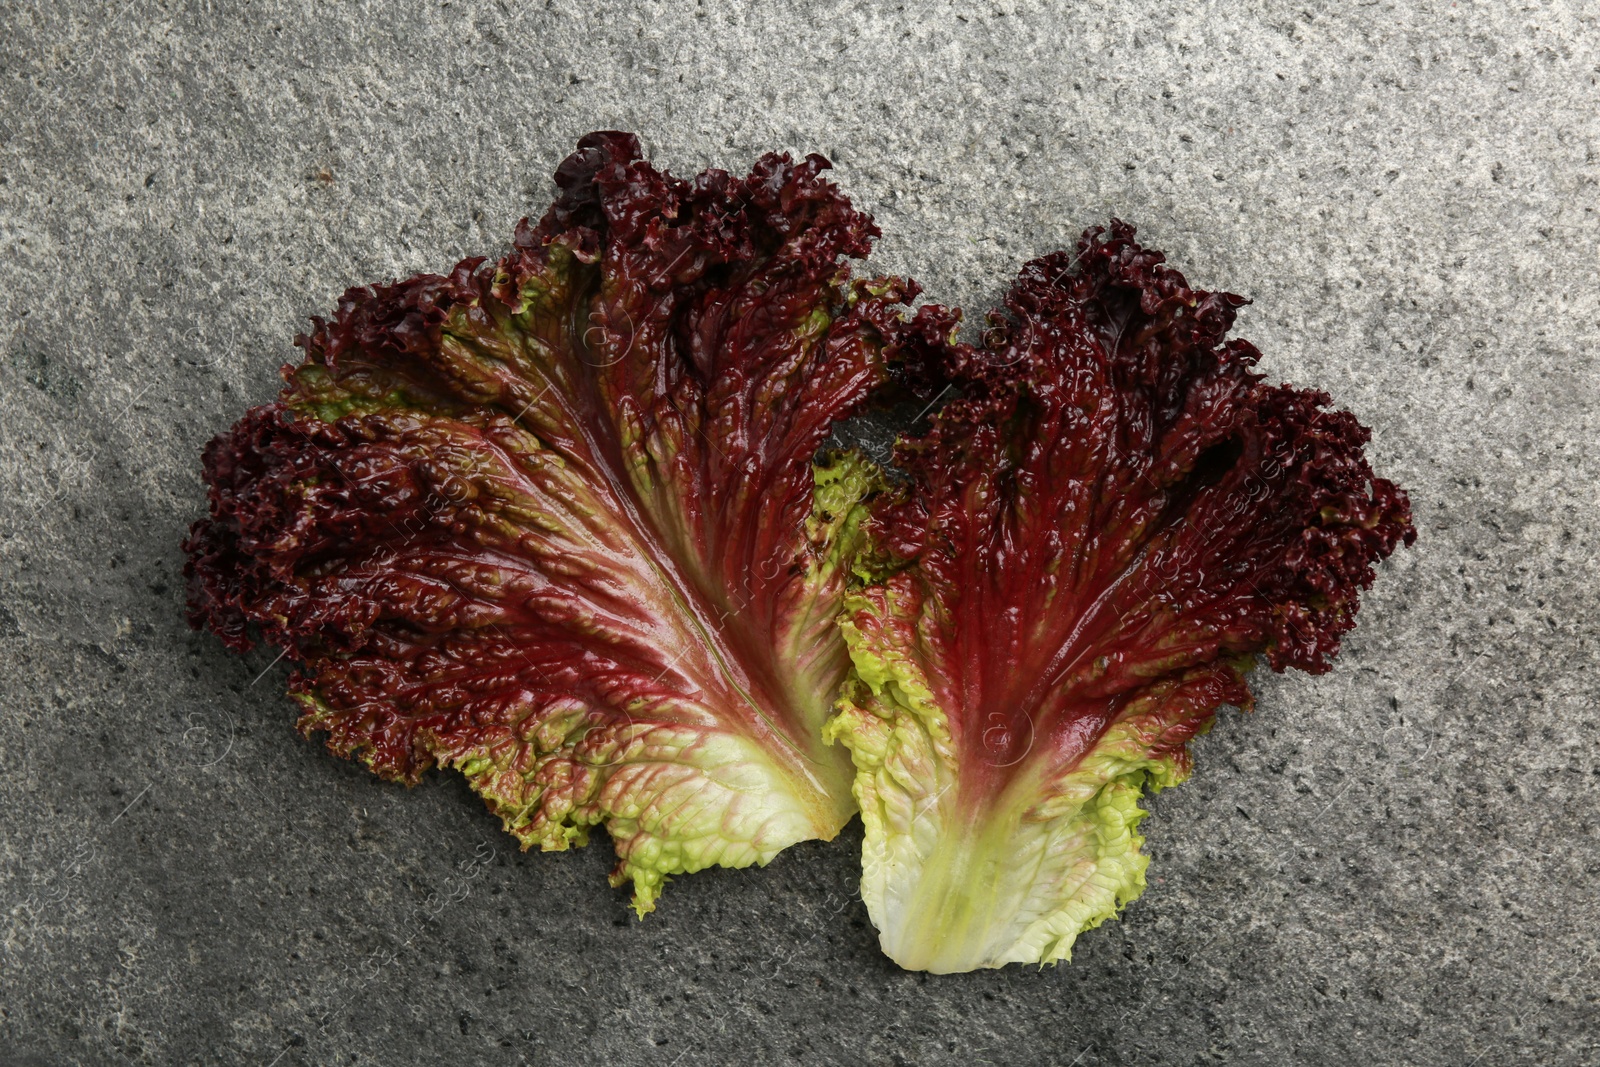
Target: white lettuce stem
958, 879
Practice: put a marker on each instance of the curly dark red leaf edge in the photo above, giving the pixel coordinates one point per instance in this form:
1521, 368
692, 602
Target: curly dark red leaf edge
1348, 518
232, 565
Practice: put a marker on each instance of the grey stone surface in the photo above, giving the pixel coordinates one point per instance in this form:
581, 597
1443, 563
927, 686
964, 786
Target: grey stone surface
1394, 863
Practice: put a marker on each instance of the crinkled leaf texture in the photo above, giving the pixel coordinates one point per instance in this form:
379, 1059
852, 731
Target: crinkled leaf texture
554, 521
1101, 533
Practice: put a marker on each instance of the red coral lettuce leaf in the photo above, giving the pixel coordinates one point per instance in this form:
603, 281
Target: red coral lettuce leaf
554, 521
1102, 532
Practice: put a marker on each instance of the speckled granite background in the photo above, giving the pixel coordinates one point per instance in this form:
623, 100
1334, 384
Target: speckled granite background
1395, 863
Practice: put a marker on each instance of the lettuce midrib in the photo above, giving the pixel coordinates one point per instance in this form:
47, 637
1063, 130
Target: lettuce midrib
746, 666
1028, 696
